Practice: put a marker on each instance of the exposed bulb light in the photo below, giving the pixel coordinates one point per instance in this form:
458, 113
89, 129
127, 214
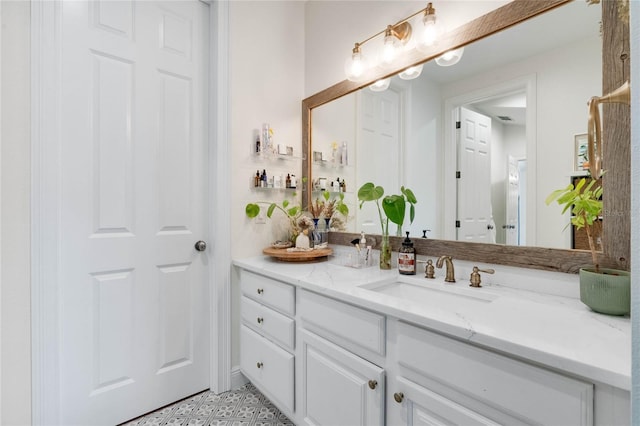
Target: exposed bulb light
356, 65
411, 72
390, 47
380, 85
449, 58
431, 29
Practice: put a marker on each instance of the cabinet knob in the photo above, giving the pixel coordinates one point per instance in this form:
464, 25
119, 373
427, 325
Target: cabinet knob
373, 384
398, 396
260, 291
260, 320
259, 365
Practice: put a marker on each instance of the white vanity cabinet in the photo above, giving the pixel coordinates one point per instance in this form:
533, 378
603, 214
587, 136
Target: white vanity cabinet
267, 337
437, 377
324, 360
337, 384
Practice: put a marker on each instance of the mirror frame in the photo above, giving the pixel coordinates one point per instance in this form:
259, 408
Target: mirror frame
615, 64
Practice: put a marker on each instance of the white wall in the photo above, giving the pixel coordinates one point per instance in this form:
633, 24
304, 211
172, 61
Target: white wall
573, 71
15, 211
266, 64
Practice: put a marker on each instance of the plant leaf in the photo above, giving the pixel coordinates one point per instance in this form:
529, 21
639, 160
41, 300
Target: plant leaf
285, 203
270, 210
394, 207
411, 198
370, 192
252, 210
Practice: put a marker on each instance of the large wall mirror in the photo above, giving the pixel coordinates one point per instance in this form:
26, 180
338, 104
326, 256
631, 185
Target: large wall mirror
522, 84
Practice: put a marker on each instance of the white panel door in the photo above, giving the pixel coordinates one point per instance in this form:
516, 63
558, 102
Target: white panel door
513, 194
378, 150
474, 184
134, 291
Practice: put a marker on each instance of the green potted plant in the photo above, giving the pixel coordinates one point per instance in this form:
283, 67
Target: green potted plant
604, 290
394, 208
326, 208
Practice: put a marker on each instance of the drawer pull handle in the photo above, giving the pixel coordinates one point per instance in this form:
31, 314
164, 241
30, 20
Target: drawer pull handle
399, 397
260, 291
259, 365
260, 320
373, 384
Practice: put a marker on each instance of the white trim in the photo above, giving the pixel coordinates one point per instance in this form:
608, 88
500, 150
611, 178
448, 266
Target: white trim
219, 184
528, 83
45, 209
237, 378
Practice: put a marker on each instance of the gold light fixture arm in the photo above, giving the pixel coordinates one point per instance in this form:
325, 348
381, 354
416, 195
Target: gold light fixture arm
594, 130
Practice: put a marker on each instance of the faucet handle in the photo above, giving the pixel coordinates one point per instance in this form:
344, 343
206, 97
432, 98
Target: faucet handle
475, 278
429, 269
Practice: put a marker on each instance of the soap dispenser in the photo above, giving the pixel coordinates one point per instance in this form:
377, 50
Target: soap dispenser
407, 257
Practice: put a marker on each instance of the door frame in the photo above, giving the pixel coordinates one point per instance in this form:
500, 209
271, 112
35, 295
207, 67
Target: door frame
526, 83
45, 206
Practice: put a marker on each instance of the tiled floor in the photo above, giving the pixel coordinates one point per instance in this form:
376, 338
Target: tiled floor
243, 407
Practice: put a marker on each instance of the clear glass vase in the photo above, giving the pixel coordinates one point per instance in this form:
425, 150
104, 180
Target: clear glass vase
385, 252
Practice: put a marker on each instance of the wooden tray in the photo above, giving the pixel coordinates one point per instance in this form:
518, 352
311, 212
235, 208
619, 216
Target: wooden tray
298, 256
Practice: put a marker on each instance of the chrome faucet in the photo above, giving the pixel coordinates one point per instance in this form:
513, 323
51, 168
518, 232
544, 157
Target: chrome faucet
451, 275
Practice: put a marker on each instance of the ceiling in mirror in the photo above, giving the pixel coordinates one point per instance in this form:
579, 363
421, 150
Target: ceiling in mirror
419, 158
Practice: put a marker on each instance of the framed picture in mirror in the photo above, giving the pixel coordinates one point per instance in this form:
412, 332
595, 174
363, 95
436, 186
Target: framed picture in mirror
581, 156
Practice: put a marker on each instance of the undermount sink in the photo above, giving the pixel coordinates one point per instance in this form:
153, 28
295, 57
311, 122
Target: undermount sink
431, 292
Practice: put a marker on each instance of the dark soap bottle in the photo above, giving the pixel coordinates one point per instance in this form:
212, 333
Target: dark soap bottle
407, 257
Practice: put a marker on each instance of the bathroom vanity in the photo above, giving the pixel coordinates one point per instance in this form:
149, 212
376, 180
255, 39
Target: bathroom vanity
333, 345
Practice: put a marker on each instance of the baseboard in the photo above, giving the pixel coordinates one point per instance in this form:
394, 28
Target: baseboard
237, 378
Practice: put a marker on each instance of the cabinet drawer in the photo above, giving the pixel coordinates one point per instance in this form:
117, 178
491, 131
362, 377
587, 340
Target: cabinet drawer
268, 322
268, 367
341, 322
498, 382
267, 291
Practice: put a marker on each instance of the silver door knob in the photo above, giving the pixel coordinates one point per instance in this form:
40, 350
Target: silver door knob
201, 246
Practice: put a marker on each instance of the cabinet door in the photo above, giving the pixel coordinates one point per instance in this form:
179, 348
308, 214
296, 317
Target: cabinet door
268, 367
414, 405
338, 387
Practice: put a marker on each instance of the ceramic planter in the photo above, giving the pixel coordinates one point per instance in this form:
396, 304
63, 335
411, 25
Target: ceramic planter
607, 292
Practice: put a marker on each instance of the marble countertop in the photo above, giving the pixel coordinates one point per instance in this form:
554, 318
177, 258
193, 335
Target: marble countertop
552, 328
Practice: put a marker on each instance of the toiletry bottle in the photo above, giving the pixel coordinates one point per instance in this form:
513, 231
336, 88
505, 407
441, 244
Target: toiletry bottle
344, 153
258, 144
287, 181
264, 178
256, 179
407, 257
362, 252
293, 181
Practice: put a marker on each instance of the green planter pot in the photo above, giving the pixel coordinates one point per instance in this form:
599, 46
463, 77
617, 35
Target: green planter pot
607, 292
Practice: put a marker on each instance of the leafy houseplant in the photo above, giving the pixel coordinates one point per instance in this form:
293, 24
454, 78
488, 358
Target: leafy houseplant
394, 208
294, 213
603, 290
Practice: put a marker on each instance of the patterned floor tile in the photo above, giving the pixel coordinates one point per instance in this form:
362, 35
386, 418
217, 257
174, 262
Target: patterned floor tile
243, 407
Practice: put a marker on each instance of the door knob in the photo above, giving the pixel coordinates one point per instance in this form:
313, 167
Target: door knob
373, 384
398, 396
201, 246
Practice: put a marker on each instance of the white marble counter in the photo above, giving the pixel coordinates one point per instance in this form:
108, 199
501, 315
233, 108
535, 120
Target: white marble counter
549, 326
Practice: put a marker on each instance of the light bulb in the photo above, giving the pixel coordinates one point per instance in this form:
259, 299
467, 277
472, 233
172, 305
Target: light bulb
411, 72
389, 50
450, 57
356, 65
380, 85
431, 30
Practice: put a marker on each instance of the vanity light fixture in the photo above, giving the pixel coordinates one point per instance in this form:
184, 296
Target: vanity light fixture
411, 72
451, 57
380, 85
396, 38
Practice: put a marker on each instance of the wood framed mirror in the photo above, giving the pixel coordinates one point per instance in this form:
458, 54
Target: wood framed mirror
616, 118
